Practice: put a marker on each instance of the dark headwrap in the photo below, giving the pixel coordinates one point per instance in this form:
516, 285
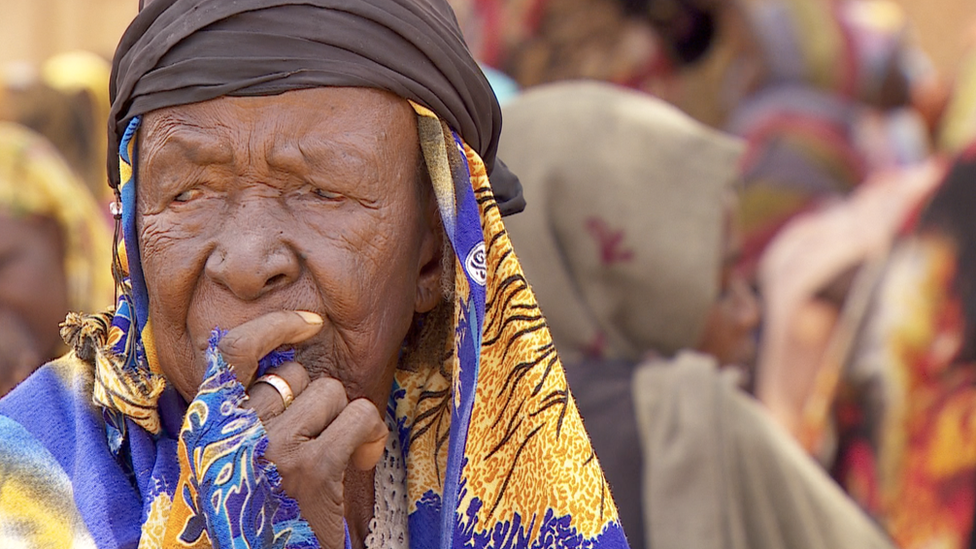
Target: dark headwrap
178, 52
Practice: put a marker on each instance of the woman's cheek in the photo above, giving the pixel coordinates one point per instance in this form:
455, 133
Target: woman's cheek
172, 259
170, 252
364, 302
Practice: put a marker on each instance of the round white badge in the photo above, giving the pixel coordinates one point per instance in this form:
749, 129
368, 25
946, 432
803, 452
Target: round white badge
475, 264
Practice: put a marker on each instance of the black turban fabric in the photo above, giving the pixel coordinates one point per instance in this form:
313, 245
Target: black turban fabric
178, 52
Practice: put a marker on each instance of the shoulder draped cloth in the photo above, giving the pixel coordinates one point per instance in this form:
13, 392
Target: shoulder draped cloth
496, 454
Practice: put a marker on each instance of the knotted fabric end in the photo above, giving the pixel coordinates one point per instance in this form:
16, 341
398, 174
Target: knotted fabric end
133, 392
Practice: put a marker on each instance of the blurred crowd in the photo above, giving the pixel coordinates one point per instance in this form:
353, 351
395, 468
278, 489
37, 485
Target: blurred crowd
55, 229
767, 314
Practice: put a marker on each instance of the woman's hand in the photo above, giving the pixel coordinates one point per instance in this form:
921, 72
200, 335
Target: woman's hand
321, 432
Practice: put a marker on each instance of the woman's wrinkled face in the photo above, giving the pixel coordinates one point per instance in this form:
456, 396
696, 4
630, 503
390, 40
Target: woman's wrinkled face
308, 200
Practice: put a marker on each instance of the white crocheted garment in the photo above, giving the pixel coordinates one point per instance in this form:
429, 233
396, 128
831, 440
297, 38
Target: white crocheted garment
389, 528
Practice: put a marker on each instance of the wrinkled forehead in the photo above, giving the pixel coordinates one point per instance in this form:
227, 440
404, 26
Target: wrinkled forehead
315, 111
320, 124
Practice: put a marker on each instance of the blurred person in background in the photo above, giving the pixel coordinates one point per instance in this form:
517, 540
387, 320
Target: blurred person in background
818, 273
807, 74
65, 99
55, 252
630, 245
906, 448
633, 43
815, 278
819, 89
821, 92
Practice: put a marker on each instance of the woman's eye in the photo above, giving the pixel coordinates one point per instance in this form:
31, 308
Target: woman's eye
187, 196
330, 196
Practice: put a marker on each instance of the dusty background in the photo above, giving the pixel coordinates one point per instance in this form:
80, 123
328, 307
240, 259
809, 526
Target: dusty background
35, 29
941, 25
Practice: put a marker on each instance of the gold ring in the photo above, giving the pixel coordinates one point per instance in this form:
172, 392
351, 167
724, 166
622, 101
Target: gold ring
280, 385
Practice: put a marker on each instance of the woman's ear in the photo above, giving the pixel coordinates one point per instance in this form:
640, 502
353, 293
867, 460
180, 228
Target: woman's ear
429, 280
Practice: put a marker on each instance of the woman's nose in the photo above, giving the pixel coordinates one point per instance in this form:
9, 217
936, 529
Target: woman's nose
253, 262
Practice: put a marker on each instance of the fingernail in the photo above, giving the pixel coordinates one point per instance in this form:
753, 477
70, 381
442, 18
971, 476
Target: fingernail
310, 318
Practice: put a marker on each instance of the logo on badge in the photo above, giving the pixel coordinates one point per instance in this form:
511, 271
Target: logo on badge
475, 264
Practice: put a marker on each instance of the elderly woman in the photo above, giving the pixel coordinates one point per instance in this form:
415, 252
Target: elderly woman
323, 336
54, 252
630, 244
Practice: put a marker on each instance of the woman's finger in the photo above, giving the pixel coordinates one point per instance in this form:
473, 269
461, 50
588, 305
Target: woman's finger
310, 414
368, 454
265, 399
358, 435
243, 346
